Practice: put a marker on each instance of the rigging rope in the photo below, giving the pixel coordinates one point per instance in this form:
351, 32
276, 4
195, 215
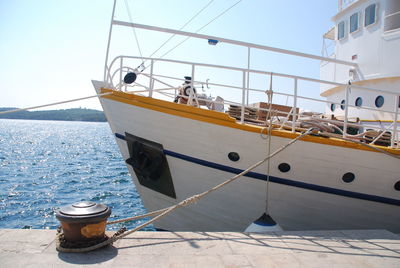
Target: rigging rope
270, 95
360, 143
198, 30
133, 28
54, 103
189, 21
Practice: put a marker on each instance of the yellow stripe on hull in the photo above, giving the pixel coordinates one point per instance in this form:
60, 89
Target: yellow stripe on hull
223, 119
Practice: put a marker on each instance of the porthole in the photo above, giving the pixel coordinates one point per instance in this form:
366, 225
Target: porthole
333, 107
284, 167
379, 101
358, 102
233, 156
397, 186
348, 177
342, 104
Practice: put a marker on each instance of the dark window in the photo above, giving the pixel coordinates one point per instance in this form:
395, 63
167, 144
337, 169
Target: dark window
333, 107
392, 15
397, 186
358, 102
342, 104
370, 15
379, 101
348, 177
284, 167
233, 156
354, 22
341, 30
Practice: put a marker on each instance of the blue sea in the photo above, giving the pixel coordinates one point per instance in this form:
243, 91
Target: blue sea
45, 165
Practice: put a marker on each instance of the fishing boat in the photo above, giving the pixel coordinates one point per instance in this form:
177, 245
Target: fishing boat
178, 141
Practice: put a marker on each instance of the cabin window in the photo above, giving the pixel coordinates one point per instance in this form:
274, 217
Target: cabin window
379, 101
234, 156
342, 104
397, 186
284, 167
341, 30
348, 177
392, 18
354, 23
333, 107
370, 15
358, 102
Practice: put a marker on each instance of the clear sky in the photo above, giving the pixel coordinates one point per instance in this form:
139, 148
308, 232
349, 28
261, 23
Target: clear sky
51, 50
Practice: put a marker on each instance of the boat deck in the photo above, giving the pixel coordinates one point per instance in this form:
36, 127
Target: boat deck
355, 248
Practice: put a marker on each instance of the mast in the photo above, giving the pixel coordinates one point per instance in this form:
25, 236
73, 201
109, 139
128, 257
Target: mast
109, 41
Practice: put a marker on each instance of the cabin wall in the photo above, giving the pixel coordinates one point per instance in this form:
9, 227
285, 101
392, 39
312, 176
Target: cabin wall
375, 50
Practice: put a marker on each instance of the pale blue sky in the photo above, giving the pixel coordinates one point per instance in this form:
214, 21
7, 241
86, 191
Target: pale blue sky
50, 50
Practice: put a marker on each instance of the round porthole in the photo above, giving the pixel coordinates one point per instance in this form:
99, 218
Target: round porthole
342, 106
379, 101
284, 167
233, 156
397, 186
333, 107
348, 177
358, 102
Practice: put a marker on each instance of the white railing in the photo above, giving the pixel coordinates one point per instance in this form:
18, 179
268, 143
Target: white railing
114, 73
168, 83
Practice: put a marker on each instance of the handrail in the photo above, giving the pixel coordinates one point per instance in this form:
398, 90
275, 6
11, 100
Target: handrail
309, 79
234, 42
153, 77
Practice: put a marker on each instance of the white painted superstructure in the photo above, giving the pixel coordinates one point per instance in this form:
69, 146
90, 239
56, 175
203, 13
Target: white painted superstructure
366, 32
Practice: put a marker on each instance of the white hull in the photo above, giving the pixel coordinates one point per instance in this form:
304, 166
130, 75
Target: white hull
310, 196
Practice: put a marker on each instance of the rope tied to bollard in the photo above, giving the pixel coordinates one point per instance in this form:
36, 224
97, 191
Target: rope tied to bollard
163, 212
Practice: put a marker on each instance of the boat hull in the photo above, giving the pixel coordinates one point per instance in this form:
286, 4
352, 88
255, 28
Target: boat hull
310, 196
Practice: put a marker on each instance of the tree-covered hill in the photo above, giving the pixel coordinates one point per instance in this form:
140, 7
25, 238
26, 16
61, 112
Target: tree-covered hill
75, 114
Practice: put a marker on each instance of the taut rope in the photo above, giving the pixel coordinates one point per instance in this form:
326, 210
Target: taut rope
54, 103
183, 203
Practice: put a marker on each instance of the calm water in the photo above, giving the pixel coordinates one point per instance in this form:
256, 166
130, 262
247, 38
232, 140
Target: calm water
45, 165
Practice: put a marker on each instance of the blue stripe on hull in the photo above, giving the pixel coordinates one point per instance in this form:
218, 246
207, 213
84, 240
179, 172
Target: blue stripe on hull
259, 176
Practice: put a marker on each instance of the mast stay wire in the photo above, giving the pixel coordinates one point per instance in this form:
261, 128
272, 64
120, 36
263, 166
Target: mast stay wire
198, 30
172, 36
133, 28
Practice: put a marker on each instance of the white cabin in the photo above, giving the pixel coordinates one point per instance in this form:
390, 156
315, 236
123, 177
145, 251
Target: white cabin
366, 32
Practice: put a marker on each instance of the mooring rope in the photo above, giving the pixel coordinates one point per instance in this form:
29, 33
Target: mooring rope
330, 135
183, 203
54, 103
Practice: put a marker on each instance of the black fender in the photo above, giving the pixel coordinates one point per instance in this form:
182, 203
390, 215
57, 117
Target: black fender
150, 164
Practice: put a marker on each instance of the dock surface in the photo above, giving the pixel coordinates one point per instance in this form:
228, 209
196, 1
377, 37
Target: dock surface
355, 248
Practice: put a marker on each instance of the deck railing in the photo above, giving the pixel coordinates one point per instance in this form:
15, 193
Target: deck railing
168, 85
119, 66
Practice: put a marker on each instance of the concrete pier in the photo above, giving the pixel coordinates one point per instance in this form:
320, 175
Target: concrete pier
362, 248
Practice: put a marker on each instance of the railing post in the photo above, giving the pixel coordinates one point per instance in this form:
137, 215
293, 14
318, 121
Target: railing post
248, 75
346, 109
243, 98
109, 41
192, 94
120, 73
396, 112
294, 106
151, 82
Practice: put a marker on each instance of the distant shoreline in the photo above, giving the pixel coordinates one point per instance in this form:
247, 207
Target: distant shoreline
74, 114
